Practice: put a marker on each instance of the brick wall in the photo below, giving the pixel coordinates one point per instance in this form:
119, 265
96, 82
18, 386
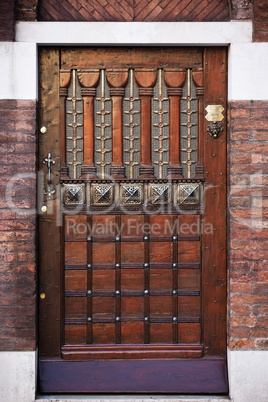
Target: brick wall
7, 19
26, 10
17, 225
248, 208
260, 20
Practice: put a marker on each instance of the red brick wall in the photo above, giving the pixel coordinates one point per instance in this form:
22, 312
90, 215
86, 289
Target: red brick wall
7, 19
26, 10
17, 225
248, 242
129, 10
260, 20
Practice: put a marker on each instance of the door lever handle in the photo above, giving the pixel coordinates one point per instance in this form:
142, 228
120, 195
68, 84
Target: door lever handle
49, 161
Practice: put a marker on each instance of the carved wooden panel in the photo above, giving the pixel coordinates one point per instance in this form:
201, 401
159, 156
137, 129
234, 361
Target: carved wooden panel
132, 288
137, 10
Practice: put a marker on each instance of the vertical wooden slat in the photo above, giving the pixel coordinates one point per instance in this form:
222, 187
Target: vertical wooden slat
146, 80
146, 280
214, 236
89, 281
88, 79
174, 79
175, 280
118, 280
50, 280
117, 80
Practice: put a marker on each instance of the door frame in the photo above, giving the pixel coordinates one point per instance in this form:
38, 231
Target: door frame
205, 250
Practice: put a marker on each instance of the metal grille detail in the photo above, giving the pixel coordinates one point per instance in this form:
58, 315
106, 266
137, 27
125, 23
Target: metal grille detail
160, 141
74, 129
189, 127
131, 124
103, 142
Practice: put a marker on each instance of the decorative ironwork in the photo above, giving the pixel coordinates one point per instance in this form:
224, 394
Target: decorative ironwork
49, 161
159, 194
215, 129
103, 125
131, 194
188, 148
188, 194
131, 137
74, 125
102, 194
74, 194
160, 125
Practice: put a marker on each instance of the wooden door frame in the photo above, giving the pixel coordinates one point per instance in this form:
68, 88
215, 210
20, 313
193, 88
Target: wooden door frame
215, 280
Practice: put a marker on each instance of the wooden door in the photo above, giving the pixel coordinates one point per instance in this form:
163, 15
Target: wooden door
132, 220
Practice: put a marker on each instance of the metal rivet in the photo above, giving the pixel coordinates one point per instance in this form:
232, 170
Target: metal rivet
117, 292
117, 265
174, 265
117, 238
117, 319
42, 296
145, 238
145, 318
174, 237
214, 154
43, 130
146, 264
174, 318
214, 265
214, 229
88, 238
89, 319
89, 265
146, 292
44, 208
174, 292
222, 248
89, 292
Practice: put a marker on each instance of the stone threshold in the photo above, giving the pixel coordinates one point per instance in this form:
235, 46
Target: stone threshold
130, 398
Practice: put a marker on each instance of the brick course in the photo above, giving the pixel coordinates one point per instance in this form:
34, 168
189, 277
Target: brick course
17, 225
248, 210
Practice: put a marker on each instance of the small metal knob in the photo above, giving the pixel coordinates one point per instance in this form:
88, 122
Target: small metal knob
44, 208
42, 296
43, 130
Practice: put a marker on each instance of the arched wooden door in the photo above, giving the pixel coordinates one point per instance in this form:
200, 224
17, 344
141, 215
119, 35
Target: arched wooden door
132, 220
